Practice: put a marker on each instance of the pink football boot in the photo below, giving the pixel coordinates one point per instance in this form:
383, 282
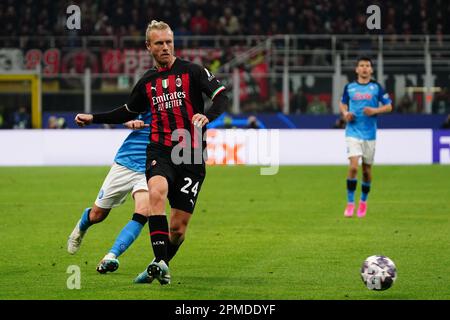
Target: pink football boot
349, 210
362, 209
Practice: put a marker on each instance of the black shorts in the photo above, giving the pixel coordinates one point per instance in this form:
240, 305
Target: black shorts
185, 180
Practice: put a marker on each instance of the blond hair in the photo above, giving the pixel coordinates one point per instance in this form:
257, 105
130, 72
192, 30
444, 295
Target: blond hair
156, 25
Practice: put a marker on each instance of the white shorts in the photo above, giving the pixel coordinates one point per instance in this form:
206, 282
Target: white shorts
361, 148
119, 182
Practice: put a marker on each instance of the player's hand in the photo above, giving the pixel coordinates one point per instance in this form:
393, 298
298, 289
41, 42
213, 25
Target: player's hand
368, 111
199, 120
349, 117
136, 124
83, 119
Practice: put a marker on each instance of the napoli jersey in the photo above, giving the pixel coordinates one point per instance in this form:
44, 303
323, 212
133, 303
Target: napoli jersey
358, 96
132, 154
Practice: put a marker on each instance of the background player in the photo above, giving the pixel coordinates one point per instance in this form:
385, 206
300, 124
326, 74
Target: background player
359, 107
126, 175
172, 90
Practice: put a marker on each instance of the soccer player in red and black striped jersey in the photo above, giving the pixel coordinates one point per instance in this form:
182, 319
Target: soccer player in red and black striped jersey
173, 92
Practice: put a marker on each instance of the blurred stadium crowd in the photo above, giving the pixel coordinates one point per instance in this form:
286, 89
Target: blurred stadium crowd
34, 22
231, 17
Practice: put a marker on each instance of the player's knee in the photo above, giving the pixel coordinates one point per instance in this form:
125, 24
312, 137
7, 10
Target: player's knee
353, 171
157, 195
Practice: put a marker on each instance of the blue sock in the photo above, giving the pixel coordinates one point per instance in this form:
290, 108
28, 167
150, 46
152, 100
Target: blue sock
365, 187
85, 223
128, 234
351, 187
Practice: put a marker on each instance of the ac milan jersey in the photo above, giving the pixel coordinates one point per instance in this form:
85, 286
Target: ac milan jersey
172, 96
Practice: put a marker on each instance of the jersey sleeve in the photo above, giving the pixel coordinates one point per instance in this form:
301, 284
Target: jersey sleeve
345, 97
383, 96
136, 101
209, 84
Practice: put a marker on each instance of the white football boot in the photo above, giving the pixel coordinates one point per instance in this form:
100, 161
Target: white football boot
74, 242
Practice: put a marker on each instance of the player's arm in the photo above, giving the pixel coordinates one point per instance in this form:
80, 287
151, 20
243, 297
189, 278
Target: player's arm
220, 103
215, 90
135, 105
136, 124
369, 111
346, 115
343, 106
116, 116
385, 101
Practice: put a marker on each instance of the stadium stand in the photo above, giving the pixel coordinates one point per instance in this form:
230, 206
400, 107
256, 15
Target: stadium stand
274, 56
236, 18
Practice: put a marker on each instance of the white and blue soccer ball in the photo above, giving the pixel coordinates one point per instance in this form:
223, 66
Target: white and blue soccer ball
378, 273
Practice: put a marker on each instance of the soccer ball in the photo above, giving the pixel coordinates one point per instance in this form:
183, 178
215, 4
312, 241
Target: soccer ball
378, 273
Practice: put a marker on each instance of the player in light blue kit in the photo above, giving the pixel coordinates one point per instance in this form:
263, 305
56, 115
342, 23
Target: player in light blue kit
360, 105
127, 175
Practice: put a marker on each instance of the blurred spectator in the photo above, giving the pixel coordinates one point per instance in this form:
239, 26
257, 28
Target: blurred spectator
21, 119
446, 124
317, 106
119, 19
299, 102
271, 105
319, 57
199, 24
185, 16
229, 22
56, 123
213, 62
62, 124
253, 123
227, 122
52, 122
441, 103
270, 16
405, 105
2, 118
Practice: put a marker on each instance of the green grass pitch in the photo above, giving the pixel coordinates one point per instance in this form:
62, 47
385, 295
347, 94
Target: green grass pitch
251, 237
